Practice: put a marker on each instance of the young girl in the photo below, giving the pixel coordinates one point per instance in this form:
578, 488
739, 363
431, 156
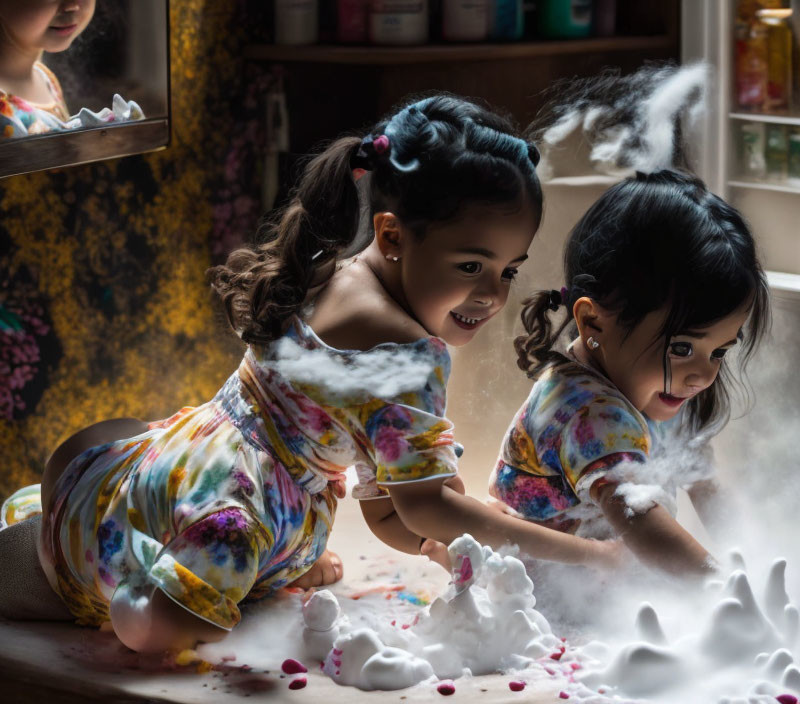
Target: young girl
164, 528
662, 281
31, 101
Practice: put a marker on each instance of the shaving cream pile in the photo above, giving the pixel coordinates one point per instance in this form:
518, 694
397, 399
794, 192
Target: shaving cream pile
738, 652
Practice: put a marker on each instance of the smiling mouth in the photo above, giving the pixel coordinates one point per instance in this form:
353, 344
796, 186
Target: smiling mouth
464, 322
670, 400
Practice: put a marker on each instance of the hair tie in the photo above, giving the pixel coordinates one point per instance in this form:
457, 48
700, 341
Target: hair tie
534, 155
366, 157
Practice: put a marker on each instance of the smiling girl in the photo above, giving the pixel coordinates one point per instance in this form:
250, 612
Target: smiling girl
662, 282
165, 527
30, 93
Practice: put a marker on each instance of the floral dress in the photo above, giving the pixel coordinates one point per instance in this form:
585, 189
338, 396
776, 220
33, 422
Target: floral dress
20, 117
236, 498
573, 430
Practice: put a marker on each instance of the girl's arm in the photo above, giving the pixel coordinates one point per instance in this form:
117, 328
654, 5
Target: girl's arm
386, 525
433, 510
148, 621
654, 537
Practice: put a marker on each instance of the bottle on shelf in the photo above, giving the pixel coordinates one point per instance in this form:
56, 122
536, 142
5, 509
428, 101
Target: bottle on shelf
605, 18
398, 22
779, 59
506, 21
296, 22
351, 21
565, 19
751, 150
777, 152
465, 20
751, 64
794, 156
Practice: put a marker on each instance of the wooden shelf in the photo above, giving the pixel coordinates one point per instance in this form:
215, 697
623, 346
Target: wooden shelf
778, 187
443, 53
760, 117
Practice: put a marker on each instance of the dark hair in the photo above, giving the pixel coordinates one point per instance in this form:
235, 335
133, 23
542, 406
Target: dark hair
654, 240
428, 160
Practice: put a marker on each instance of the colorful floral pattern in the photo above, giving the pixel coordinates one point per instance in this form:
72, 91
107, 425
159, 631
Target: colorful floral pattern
574, 427
20, 118
237, 496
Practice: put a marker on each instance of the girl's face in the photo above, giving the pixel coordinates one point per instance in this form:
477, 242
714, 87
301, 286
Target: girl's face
635, 364
458, 276
45, 25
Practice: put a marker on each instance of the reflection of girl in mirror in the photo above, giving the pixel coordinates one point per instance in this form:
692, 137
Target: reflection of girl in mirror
31, 101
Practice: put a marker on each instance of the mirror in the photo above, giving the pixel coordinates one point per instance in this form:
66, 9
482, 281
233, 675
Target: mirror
81, 80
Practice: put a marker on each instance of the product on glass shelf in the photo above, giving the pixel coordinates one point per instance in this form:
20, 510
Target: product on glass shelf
296, 21
777, 152
398, 21
351, 21
565, 18
751, 153
751, 62
779, 58
751, 65
506, 21
794, 154
465, 20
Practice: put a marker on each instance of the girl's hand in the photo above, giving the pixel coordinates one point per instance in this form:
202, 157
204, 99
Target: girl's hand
436, 552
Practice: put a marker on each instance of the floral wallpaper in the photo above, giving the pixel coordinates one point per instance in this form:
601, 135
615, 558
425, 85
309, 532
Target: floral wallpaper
104, 307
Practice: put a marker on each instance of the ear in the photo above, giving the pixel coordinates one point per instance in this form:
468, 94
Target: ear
389, 233
589, 318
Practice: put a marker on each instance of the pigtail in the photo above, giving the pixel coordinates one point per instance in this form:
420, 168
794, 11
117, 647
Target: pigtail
261, 287
535, 349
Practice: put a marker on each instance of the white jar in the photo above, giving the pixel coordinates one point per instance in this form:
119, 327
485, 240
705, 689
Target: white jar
398, 21
465, 20
296, 22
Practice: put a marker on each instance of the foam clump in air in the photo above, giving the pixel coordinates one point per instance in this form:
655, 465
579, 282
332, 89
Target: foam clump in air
486, 622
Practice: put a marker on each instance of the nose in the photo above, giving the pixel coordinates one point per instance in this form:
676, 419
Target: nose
70, 6
701, 374
487, 292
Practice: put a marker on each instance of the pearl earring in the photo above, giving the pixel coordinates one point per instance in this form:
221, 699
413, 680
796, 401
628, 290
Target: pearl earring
592, 343
392, 259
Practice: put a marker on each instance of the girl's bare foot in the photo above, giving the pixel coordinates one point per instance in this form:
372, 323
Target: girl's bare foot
436, 552
327, 570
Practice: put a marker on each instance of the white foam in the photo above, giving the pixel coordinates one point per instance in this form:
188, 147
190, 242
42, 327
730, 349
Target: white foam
486, 622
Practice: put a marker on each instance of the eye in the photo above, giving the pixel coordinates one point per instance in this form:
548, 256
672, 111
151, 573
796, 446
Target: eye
509, 274
470, 267
681, 349
719, 353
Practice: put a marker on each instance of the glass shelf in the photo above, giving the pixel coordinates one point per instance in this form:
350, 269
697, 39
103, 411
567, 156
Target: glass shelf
778, 187
761, 117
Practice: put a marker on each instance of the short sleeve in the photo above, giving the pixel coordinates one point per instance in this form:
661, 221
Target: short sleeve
598, 437
408, 436
211, 565
410, 444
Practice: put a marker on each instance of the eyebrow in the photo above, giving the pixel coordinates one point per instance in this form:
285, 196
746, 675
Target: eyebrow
698, 335
487, 253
